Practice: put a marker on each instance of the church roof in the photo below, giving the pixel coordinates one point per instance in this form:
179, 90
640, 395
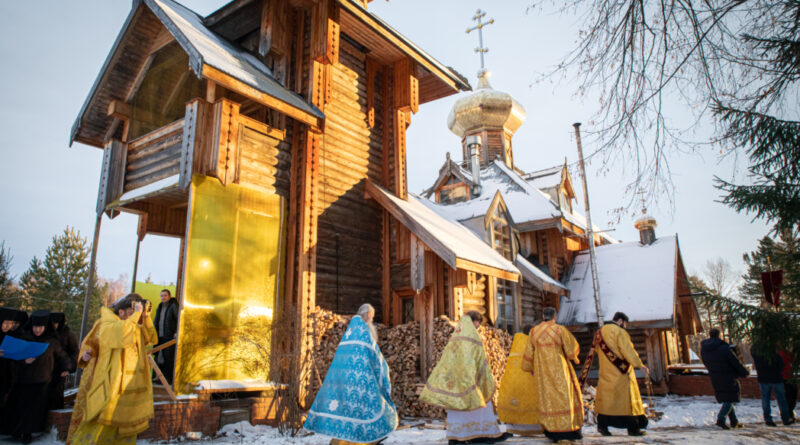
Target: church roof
640, 280
535, 275
525, 202
451, 241
546, 178
209, 56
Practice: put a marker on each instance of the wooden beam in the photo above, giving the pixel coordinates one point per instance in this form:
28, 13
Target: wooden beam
298, 51
119, 110
423, 307
332, 33
386, 269
400, 180
406, 86
240, 87
267, 26
211, 91
417, 269
226, 140
486, 270
372, 68
307, 260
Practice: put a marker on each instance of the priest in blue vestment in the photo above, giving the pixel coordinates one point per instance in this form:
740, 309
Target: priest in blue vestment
354, 404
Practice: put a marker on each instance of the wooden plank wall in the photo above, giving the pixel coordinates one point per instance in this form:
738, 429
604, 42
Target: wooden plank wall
264, 158
531, 304
154, 156
349, 238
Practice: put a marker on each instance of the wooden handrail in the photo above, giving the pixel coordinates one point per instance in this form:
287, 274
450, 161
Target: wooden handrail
162, 346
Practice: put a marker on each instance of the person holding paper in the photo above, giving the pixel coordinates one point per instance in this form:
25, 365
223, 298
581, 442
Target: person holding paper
115, 398
34, 375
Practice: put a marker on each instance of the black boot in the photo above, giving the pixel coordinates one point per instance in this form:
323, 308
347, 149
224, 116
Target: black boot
721, 424
734, 421
604, 430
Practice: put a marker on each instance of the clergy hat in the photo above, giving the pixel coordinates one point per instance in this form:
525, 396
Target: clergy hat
20, 316
58, 317
40, 318
6, 314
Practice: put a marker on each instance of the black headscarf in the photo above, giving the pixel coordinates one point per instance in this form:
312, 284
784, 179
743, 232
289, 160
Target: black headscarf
39, 318
61, 319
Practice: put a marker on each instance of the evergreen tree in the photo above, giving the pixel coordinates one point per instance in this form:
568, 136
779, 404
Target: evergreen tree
30, 281
7, 288
59, 282
783, 254
773, 148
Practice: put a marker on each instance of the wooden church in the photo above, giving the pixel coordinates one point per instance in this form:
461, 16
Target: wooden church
269, 137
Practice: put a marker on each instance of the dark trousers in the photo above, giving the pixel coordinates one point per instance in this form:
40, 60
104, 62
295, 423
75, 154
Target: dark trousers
728, 411
791, 396
166, 360
780, 396
632, 423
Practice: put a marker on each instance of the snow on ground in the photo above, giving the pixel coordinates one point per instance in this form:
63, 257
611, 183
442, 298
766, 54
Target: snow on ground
685, 420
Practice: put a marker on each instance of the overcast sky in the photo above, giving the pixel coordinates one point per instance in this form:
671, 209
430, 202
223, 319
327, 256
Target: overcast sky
51, 52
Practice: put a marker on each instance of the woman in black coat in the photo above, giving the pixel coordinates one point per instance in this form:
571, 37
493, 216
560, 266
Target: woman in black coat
34, 375
11, 320
724, 369
69, 344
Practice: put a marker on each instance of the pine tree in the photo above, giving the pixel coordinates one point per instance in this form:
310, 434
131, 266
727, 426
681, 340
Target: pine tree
773, 147
7, 288
59, 282
783, 254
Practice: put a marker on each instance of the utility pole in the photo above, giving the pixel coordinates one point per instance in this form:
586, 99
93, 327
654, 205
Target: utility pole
589, 228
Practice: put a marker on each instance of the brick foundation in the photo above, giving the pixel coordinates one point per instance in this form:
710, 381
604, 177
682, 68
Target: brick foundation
175, 419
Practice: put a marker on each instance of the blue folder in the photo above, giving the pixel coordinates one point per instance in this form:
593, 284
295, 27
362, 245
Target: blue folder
16, 349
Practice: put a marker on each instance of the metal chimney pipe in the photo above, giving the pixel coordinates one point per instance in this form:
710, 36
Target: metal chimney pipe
474, 143
589, 229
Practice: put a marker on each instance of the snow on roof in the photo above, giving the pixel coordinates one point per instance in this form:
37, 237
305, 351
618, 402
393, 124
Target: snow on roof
534, 274
206, 47
453, 236
525, 202
634, 278
145, 191
545, 179
580, 221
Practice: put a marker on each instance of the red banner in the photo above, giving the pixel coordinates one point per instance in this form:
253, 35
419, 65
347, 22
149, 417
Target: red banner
771, 282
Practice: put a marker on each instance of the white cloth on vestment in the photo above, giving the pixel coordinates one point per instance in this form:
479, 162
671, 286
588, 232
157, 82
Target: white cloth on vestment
467, 425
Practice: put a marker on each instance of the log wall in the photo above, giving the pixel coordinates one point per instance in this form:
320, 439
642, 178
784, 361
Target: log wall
154, 156
349, 237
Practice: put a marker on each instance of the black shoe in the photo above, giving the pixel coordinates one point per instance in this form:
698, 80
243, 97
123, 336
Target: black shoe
737, 425
788, 422
637, 433
604, 431
27, 438
770, 423
502, 438
721, 424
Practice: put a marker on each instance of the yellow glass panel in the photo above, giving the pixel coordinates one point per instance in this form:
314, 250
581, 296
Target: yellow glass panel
231, 283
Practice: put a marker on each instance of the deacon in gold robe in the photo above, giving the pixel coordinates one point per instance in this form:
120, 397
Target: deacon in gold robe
618, 402
115, 397
462, 383
517, 401
550, 349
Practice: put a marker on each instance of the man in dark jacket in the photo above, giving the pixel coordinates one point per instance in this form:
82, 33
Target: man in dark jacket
770, 379
723, 368
789, 383
167, 327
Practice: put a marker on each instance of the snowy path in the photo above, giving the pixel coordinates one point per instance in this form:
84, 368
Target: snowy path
686, 420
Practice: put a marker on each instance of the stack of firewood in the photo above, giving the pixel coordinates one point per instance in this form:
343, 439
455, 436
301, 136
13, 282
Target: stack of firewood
400, 348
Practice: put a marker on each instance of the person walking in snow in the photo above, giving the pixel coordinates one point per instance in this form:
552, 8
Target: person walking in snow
723, 369
770, 380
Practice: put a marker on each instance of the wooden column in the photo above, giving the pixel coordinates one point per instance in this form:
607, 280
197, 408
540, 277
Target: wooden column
226, 140
387, 296
307, 254
401, 120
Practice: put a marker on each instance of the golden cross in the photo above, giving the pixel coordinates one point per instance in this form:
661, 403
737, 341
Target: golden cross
477, 18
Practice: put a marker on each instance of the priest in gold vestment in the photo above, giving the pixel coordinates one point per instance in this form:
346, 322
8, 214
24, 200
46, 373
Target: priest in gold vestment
517, 401
550, 349
618, 402
462, 383
115, 397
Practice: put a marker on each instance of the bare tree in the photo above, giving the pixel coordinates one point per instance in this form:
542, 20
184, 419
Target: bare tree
720, 277
652, 63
